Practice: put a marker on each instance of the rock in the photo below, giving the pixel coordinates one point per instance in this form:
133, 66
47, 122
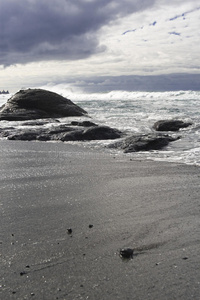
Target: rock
39, 133
143, 143
55, 133
170, 125
59, 129
126, 253
38, 104
69, 230
84, 123
74, 135
62, 132
5, 132
92, 133
24, 136
46, 137
101, 133
23, 273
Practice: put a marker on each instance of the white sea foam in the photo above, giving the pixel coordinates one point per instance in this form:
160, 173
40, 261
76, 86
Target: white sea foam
136, 112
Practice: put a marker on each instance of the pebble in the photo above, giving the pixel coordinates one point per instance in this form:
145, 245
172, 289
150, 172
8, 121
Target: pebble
23, 273
126, 253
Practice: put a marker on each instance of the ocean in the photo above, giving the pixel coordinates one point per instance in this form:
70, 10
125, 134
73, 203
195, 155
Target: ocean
135, 113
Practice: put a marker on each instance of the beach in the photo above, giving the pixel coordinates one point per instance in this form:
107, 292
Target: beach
110, 202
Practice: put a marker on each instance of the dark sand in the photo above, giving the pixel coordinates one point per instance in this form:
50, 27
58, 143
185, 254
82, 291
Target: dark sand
152, 207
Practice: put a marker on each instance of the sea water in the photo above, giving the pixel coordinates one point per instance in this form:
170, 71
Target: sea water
136, 112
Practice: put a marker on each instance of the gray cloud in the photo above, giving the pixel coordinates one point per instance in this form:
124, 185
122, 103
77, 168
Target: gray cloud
35, 30
151, 83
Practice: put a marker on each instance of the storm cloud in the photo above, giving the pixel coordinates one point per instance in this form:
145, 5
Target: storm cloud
151, 83
35, 30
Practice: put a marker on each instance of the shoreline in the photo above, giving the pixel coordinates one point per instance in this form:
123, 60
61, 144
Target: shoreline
150, 206
93, 148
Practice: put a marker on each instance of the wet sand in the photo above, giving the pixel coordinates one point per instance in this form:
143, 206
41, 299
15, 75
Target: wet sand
151, 207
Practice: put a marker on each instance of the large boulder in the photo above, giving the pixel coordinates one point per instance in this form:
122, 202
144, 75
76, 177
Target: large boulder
170, 125
145, 142
38, 104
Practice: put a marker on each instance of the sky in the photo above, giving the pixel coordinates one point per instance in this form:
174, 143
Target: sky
100, 45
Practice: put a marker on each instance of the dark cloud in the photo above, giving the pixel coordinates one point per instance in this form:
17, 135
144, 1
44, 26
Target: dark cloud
35, 30
151, 83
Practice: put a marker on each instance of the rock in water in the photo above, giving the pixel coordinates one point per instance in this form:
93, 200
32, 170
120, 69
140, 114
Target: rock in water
170, 125
92, 133
61, 132
38, 104
146, 142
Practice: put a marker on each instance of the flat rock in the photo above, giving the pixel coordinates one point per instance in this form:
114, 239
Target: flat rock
24, 136
170, 125
92, 133
38, 104
63, 133
143, 143
84, 123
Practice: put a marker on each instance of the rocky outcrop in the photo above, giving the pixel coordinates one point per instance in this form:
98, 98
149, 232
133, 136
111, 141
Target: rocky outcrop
38, 104
39, 108
92, 133
63, 132
170, 125
143, 143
